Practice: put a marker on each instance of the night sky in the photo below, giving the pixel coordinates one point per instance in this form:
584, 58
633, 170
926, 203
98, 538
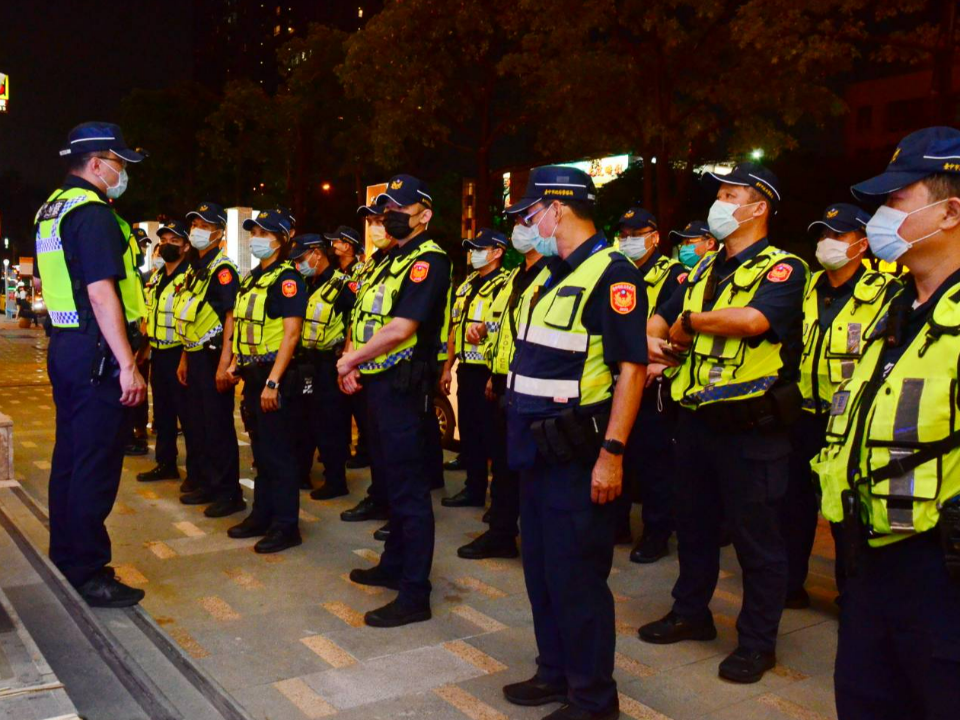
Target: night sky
70, 61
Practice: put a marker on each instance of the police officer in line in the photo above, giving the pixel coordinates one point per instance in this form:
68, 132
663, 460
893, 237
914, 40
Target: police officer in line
648, 462
734, 331
569, 417
695, 241
396, 338
842, 304
326, 420
268, 321
498, 333
474, 410
204, 311
890, 471
92, 288
141, 415
169, 396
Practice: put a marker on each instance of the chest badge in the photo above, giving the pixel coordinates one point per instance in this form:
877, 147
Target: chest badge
623, 297
419, 271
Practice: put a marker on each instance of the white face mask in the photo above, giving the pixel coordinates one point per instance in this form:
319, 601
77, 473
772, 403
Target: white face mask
635, 247
522, 238
306, 269
115, 191
200, 238
260, 247
157, 263
721, 220
378, 236
479, 258
832, 254
883, 232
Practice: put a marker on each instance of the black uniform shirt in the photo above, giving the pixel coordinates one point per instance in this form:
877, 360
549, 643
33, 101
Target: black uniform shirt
223, 287
423, 293
165, 279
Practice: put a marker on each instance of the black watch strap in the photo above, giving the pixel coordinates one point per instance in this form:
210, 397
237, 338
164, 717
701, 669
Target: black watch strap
614, 447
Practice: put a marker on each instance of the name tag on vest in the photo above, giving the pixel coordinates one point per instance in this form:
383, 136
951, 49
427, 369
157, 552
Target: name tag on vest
839, 403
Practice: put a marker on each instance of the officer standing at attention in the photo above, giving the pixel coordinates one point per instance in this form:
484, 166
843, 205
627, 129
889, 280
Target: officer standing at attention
141, 415
890, 471
842, 304
569, 417
204, 310
169, 396
695, 241
327, 416
86, 259
648, 461
474, 410
397, 328
737, 324
268, 322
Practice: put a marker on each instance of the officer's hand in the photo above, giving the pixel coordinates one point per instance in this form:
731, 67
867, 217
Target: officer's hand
350, 383
656, 353
606, 483
269, 399
182, 370
225, 379
654, 370
488, 390
679, 337
476, 333
446, 378
345, 364
133, 388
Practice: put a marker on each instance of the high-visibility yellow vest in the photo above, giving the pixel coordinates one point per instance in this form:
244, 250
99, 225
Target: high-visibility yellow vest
829, 357
197, 321
875, 421
558, 363
375, 303
323, 329
256, 335
58, 287
727, 368
655, 279
161, 320
502, 322
468, 312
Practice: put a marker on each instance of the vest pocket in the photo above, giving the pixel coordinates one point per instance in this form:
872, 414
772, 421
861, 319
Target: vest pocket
563, 307
843, 410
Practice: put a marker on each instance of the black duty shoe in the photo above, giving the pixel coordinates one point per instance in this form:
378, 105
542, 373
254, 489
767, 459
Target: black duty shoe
137, 447
489, 546
188, 486
572, 712
382, 533
106, 591
248, 528
649, 549
277, 540
374, 576
797, 600
393, 614
746, 666
534, 691
160, 472
454, 464
358, 461
462, 499
673, 628
328, 492
222, 508
366, 509
198, 497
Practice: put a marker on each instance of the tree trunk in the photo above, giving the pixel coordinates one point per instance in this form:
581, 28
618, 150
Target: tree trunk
943, 60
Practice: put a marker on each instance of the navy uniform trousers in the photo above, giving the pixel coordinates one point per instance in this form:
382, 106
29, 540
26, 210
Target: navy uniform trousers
476, 417
505, 486
567, 552
744, 474
169, 405
801, 504
276, 490
898, 654
396, 421
326, 426
92, 428
210, 427
376, 492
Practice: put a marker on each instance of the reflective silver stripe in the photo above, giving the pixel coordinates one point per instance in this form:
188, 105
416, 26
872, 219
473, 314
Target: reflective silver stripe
539, 387
369, 328
166, 320
558, 339
184, 311
905, 422
719, 343
853, 338
846, 369
715, 374
478, 312
377, 307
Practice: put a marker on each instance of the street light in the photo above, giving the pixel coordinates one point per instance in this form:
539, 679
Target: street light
757, 153
325, 187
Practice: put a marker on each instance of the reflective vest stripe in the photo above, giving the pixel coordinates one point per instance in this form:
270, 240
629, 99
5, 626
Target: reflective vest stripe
560, 339
540, 387
905, 422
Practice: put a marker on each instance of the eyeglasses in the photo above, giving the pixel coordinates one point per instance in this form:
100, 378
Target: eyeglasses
121, 163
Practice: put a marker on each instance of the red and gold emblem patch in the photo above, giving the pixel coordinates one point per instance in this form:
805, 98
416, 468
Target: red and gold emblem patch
623, 297
681, 277
353, 286
224, 277
289, 288
419, 271
780, 273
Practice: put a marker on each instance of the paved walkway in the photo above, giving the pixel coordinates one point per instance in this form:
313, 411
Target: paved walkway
284, 632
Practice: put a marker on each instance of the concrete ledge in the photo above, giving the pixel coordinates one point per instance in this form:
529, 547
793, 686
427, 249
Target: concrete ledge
6, 448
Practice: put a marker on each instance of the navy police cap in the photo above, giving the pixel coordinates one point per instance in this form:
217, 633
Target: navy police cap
100, 137
919, 155
748, 174
636, 218
405, 190
347, 234
177, 227
486, 238
140, 235
305, 243
274, 220
209, 212
693, 229
555, 182
842, 218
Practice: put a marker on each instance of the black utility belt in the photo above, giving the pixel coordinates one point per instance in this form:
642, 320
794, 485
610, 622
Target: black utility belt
778, 408
320, 356
575, 435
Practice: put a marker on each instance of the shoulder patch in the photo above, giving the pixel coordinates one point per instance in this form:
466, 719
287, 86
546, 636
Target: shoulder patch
289, 288
681, 277
225, 276
623, 297
353, 286
419, 271
780, 273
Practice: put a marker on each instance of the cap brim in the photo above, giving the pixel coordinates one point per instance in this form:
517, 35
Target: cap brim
885, 183
684, 235
250, 222
131, 156
301, 250
168, 229
214, 219
522, 205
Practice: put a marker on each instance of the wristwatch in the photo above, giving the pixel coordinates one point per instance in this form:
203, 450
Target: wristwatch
272, 384
614, 447
685, 322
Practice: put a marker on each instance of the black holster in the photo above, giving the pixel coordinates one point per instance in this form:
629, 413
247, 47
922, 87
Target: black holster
854, 535
416, 376
573, 435
778, 408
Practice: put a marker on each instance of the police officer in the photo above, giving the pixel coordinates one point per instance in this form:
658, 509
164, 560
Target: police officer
890, 469
474, 410
141, 415
327, 416
841, 306
695, 241
737, 324
569, 419
92, 288
498, 332
648, 463
169, 396
204, 312
268, 321
397, 328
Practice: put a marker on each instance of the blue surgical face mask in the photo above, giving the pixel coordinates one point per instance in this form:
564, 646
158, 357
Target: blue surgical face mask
157, 263
523, 238
546, 246
479, 258
721, 219
115, 191
688, 255
260, 247
200, 238
306, 269
883, 232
